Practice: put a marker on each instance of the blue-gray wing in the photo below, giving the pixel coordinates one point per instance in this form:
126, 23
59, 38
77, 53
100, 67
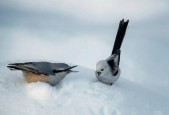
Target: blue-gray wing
48, 68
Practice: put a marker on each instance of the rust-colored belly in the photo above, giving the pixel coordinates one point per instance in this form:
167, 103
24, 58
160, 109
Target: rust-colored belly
31, 77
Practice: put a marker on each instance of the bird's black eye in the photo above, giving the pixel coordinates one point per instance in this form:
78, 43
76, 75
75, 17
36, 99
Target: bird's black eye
102, 69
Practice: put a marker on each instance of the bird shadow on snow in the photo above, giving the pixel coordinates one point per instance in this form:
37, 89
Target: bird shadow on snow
80, 93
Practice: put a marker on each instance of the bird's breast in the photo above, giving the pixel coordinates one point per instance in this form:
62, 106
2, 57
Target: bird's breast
31, 77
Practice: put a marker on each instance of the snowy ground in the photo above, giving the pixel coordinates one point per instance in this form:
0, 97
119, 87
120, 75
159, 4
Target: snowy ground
78, 94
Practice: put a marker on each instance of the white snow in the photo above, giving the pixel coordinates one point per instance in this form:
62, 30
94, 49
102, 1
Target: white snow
78, 94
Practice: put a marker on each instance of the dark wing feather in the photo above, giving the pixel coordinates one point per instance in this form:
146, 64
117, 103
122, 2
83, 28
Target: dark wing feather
114, 61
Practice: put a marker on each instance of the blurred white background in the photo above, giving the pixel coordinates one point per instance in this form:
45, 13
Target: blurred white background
83, 32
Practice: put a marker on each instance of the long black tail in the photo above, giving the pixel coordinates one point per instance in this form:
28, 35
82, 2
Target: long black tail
120, 35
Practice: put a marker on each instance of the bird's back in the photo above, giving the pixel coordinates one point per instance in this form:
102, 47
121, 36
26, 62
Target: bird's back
45, 68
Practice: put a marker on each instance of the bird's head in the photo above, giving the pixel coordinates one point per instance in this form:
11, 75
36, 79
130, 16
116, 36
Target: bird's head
102, 68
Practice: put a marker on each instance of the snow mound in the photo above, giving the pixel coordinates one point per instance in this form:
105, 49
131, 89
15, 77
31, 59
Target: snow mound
78, 94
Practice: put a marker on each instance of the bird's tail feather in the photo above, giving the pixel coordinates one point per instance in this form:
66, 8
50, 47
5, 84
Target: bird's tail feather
23, 67
120, 35
14, 67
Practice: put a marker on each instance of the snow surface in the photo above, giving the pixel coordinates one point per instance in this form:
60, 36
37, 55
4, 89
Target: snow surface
78, 94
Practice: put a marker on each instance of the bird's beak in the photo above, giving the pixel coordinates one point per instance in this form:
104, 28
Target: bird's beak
70, 71
72, 67
98, 73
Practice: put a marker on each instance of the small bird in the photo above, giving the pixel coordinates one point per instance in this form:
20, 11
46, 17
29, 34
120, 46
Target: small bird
47, 72
108, 71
